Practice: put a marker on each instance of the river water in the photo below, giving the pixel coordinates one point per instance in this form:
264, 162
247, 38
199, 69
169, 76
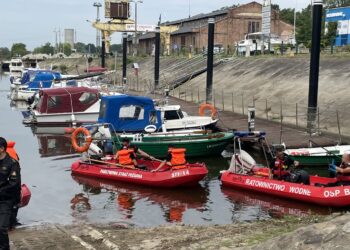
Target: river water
57, 197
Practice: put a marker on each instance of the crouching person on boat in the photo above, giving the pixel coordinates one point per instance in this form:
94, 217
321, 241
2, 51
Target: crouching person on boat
127, 155
284, 168
342, 170
10, 191
175, 159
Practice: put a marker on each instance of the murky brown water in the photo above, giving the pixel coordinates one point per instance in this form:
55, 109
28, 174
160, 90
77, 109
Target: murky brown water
57, 197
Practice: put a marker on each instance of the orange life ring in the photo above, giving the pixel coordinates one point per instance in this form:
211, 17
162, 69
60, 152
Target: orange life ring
206, 106
88, 140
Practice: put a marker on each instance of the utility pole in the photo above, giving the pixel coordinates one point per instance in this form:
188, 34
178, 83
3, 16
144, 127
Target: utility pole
98, 33
317, 8
135, 36
56, 47
125, 49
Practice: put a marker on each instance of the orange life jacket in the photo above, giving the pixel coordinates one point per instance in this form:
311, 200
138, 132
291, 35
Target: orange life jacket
178, 159
124, 157
280, 165
11, 150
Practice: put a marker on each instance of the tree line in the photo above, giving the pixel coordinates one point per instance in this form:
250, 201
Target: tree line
20, 49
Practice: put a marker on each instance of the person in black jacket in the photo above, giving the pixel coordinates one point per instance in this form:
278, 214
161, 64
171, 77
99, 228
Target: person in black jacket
10, 191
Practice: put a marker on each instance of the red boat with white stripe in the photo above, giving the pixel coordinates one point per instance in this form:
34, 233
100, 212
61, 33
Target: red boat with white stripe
317, 192
165, 177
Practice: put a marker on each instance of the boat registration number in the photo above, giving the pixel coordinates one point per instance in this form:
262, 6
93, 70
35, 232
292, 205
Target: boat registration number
180, 173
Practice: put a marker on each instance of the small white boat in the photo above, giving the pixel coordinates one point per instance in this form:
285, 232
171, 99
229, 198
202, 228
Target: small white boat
16, 66
174, 119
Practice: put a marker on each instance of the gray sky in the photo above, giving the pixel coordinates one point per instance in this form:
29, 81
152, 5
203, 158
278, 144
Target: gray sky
34, 21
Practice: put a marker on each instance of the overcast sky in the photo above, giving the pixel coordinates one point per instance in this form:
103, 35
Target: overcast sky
33, 22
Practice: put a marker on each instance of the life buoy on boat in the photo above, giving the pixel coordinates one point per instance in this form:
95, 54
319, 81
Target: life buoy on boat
206, 106
88, 140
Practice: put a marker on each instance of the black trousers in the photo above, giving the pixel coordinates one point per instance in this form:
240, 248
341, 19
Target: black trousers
6, 207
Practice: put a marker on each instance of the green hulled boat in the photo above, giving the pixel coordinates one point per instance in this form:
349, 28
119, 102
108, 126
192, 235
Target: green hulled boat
197, 143
318, 156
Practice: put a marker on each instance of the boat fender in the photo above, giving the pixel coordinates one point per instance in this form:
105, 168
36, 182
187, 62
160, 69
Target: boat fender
88, 139
206, 106
150, 129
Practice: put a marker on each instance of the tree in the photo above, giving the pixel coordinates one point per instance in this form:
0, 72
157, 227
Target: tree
337, 3
67, 49
275, 7
116, 48
18, 49
304, 26
80, 47
47, 48
5, 53
331, 33
90, 48
287, 15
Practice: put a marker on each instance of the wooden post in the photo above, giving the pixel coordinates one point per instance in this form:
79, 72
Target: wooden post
223, 100
339, 131
318, 120
242, 104
214, 98
233, 103
281, 115
198, 97
296, 115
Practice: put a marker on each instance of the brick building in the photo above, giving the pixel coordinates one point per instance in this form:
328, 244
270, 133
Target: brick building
231, 26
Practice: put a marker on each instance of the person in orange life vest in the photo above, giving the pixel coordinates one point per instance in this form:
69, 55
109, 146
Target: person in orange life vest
281, 165
10, 191
127, 154
175, 158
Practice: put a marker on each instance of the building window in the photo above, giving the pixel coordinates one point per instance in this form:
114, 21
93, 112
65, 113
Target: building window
253, 27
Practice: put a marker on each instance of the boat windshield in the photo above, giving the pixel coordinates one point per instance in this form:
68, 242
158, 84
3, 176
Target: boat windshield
181, 115
171, 115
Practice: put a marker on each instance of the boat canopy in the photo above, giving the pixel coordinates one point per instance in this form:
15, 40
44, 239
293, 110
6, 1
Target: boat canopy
66, 100
129, 113
37, 79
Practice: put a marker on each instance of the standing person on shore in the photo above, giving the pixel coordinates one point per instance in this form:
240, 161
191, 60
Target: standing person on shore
10, 190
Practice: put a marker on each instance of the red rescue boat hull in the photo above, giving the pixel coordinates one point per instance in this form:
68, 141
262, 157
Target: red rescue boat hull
325, 196
188, 176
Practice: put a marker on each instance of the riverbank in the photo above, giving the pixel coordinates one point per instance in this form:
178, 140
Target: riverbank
245, 235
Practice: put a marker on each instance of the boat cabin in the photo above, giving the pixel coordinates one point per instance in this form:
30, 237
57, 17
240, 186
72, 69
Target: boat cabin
129, 113
37, 79
66, 100
171, 112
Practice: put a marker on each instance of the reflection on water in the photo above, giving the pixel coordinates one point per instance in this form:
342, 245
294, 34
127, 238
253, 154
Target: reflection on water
57, 197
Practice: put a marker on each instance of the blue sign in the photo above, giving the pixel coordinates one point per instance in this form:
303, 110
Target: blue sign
342, 17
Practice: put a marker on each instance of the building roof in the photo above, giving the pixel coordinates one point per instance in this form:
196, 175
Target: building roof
148, 35
215, 13
184, 30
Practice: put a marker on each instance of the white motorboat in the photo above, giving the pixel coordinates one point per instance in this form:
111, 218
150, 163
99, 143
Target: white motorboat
174, 119
66, 105
16, 66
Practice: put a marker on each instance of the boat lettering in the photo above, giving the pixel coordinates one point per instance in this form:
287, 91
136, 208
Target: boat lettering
347, 191
334, 193
123, 174
180, 173
263, 184
299, 190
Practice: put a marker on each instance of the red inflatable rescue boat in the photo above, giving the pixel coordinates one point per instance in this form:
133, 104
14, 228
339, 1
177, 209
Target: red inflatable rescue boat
191, 174
318, 192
